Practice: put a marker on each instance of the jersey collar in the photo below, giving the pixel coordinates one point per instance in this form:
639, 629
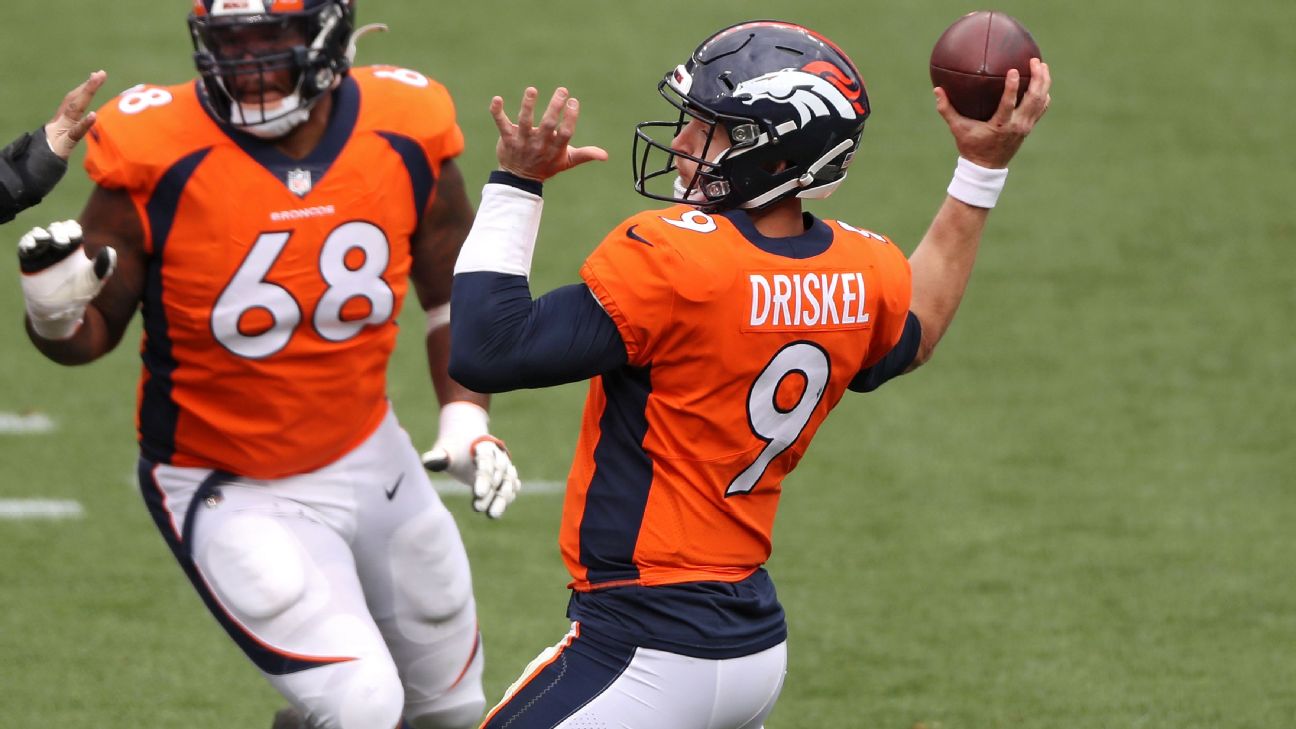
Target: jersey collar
815, 240
346, 109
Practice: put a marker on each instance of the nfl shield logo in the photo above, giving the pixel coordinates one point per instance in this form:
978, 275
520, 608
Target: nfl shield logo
299, 182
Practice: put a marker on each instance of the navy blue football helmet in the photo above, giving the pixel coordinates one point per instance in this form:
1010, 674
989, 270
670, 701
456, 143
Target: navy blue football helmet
239, 43
791, 102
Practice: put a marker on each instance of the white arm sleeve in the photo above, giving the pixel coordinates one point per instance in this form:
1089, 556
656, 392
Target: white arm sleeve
503, 235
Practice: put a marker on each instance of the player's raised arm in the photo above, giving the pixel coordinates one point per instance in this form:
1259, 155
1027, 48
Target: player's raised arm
73, 118
34, 163
502, 339
943, 260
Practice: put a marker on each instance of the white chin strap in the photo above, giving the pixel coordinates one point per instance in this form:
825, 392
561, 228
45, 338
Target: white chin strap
680, 191
697, 196
288, 114
806, 180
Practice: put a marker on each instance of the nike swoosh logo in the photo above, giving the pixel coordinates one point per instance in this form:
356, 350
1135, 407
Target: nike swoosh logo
391, 492
631, 234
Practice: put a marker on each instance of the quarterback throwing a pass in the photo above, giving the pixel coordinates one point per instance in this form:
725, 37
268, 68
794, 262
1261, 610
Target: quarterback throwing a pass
267, 219
718, 333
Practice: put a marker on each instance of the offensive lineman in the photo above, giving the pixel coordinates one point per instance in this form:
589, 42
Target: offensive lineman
267, 219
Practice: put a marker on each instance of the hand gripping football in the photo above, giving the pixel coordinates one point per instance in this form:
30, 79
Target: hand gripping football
972, 58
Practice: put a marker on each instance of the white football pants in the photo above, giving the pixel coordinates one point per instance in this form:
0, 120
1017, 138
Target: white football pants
348, 587
584, 683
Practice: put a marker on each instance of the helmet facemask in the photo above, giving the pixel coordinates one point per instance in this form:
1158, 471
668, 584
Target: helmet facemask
263, 72
710, 187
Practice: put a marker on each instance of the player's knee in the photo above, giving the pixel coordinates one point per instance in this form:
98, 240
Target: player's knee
370, 697
254, 564
430, 567
459, 706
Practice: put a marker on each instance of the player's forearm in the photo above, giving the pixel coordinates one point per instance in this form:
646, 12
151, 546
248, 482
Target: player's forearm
941, 265
446, 387
90, 342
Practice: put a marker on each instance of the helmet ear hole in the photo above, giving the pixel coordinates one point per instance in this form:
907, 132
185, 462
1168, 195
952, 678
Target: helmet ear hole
743, 134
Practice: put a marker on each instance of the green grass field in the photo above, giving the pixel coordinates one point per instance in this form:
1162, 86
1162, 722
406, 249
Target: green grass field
1081, 515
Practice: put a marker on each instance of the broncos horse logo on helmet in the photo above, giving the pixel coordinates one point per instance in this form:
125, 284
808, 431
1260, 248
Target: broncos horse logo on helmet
265, 63
793, 105
811, 96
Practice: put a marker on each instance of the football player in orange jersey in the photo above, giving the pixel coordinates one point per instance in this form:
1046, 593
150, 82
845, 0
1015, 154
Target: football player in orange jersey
718, 333
268, 218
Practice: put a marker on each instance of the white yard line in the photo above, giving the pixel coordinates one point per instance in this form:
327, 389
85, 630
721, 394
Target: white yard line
454, 488
443, 486
16, 509
26, 423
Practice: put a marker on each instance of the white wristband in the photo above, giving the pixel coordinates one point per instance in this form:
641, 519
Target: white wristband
437, 317
463, 419
976, 185
503, 235
56, 328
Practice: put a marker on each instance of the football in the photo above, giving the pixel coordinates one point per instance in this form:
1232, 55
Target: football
972, 58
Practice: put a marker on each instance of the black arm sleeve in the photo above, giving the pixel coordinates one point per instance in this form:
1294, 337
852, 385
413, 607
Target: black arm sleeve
29, 169
501, 340
895, 361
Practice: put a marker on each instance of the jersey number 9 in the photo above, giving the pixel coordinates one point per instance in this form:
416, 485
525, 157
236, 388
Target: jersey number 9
778, 426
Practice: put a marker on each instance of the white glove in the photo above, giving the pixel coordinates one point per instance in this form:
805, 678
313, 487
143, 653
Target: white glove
58, 280
468, 452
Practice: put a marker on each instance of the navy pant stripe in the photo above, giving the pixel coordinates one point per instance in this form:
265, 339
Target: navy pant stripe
578, 674
266, 658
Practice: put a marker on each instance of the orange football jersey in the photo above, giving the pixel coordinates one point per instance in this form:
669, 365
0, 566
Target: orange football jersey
273, 284
738, 346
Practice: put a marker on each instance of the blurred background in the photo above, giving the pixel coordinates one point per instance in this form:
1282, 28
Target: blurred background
1079, 515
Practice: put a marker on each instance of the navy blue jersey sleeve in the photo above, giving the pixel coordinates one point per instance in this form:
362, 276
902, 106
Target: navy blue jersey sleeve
500, 339
894, 363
